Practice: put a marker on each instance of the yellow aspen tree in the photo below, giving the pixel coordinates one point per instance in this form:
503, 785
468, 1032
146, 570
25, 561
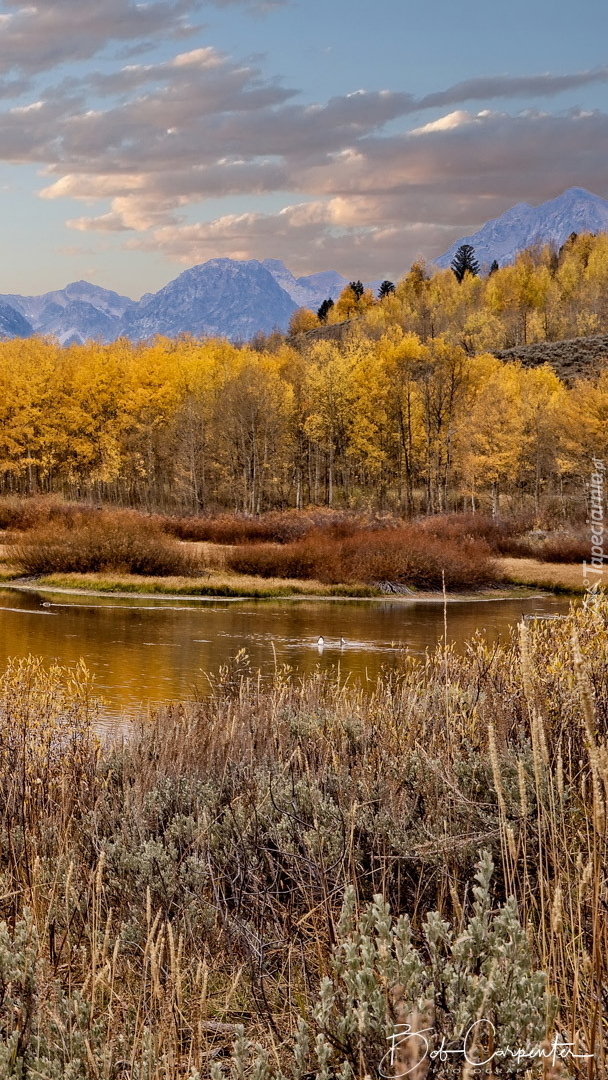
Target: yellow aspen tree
302, 320
542, 401
490, 433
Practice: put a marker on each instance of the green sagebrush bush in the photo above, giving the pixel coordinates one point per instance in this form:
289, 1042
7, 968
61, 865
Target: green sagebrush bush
47, 1034
382, 984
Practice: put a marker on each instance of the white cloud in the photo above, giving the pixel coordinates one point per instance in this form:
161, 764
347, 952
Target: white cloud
39, 37
445, 123
200, 126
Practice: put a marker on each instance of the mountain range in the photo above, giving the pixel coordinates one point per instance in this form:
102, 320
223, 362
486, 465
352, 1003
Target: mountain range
238, 299
575, 210
220, 298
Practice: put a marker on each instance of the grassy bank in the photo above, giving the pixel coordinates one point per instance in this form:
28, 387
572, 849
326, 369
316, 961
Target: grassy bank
556, 577
220, 585
290, 553
196, 900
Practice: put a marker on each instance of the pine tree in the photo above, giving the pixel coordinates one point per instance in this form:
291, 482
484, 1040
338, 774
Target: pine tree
386, 288
465, 262
494, 267
325, 309
358, 288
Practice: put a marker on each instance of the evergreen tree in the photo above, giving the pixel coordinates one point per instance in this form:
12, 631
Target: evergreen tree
494, 267
568, 244
325, 309
465, 262
358, 288
386, 288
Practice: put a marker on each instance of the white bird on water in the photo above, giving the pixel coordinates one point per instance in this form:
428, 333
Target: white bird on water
321, 641
342, 642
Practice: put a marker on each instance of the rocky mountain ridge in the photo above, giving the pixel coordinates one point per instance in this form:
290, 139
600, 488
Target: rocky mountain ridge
238, 299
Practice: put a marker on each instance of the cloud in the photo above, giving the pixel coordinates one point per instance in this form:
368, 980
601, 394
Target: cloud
35, 38
509, 86
172, 134
409, 195
303, 236
445, 123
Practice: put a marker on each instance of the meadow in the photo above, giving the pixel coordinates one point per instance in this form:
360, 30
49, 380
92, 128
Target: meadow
210, 895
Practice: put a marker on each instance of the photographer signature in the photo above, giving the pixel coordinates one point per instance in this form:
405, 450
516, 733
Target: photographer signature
557, 1050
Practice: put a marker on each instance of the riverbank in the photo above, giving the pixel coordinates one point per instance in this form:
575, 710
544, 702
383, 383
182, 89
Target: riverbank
289, 555
555, 577
516, 578
190, 896
171, 588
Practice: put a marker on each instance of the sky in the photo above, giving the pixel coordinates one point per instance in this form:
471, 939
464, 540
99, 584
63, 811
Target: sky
137, 139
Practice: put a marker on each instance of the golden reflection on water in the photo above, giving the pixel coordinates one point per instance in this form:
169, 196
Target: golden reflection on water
149, 651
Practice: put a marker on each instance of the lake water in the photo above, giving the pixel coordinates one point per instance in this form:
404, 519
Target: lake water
144, 651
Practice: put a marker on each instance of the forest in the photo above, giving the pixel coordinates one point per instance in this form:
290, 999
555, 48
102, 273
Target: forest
409, 411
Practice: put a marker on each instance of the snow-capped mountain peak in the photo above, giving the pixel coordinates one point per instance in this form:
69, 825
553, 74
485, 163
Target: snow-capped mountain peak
575, 210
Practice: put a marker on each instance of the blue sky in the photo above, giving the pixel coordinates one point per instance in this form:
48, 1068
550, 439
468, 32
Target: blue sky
136, 140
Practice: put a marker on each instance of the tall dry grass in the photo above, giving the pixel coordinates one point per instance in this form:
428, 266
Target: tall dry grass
159, 892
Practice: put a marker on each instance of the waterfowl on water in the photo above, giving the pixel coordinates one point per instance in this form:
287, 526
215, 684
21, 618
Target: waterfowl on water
321, 641
342, 641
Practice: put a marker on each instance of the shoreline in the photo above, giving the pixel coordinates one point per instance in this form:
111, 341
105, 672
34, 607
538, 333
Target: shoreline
513, 592
517, 577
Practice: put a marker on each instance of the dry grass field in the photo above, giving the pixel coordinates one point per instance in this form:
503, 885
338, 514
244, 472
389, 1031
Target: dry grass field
263, 884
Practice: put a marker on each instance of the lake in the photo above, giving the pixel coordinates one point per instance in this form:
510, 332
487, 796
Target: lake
143, 651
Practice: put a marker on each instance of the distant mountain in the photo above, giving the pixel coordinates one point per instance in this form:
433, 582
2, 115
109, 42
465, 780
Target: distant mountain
12, 323
577, 210
78, 313
327, 283
312, 290
308, 291
220, 298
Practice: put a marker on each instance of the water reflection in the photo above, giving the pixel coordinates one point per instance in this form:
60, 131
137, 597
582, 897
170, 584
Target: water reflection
144, 651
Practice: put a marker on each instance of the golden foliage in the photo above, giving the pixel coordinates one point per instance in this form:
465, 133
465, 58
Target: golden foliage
406, 409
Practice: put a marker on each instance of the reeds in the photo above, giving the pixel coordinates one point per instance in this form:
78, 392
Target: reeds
161, 892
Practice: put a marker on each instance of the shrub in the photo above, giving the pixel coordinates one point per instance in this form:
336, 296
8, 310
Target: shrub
503, 535
566, 547
118, 541
512, 536
407, 556
23, 514
276, 527
475, 989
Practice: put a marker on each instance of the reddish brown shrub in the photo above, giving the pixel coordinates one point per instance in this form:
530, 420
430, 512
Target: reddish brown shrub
23, 514
566, 547
501, 534
406, 556
276, 527
119, 541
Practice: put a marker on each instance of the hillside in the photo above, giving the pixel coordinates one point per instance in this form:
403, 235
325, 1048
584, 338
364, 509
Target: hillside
581, 357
